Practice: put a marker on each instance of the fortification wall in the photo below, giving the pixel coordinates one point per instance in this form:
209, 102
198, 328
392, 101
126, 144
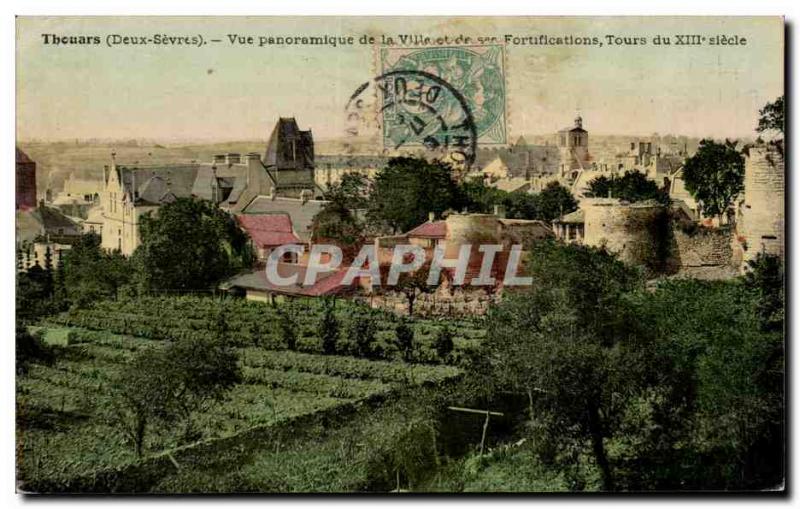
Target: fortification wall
702, 248
456, 302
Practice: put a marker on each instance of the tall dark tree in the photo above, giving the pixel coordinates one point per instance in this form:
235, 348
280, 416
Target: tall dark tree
553, 201
771, 117
407, 189
766, 278
523, 205
714, 175
30, 349
60, 299
565, 342
48, 269
32, 295
480, 198
336, 224
91, 274
189, 245
353, 189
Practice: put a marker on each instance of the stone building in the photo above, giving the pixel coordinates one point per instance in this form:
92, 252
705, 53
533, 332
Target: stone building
760, 222
236, 183
573, 145
25, 181
132, 192
570, 227
78, 191
41, 229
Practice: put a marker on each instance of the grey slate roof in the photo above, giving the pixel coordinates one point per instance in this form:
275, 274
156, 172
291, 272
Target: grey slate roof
288, 147
155, 184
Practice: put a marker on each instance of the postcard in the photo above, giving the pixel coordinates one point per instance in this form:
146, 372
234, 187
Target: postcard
400, 254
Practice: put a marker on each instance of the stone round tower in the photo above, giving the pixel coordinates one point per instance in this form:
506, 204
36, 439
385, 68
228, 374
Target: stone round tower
629, 229
760, 224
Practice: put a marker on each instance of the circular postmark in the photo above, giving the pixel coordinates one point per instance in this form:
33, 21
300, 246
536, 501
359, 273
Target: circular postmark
477, 72
417, 109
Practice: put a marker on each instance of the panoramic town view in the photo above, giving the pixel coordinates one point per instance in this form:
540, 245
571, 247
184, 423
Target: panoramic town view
404, 267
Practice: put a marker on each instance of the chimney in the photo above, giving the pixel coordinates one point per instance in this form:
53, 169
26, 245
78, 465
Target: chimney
431, 217
500, 211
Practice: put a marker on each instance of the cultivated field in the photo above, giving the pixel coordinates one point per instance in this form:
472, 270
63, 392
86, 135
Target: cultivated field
65, 415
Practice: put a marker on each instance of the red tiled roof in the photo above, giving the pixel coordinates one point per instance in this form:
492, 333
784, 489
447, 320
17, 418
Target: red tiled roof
431, 229
268, 229
326, 283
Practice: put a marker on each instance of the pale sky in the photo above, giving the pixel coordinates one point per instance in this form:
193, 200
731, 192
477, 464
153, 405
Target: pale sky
223, 92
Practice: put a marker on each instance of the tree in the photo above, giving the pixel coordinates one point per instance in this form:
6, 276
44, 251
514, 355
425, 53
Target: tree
91, 274
733, 387
564, 342
362, 331
143, 394
411, 284
329, 326
771, 117
407, 189
31, 349
404, 340
201, 372
335, 223
551, 203
32, 298
443, 344
521, 205
765, 277
189, 245
48, 269
172, 384
60, 299
554, 201
714, 175
633, 186
480, 198
353, 189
